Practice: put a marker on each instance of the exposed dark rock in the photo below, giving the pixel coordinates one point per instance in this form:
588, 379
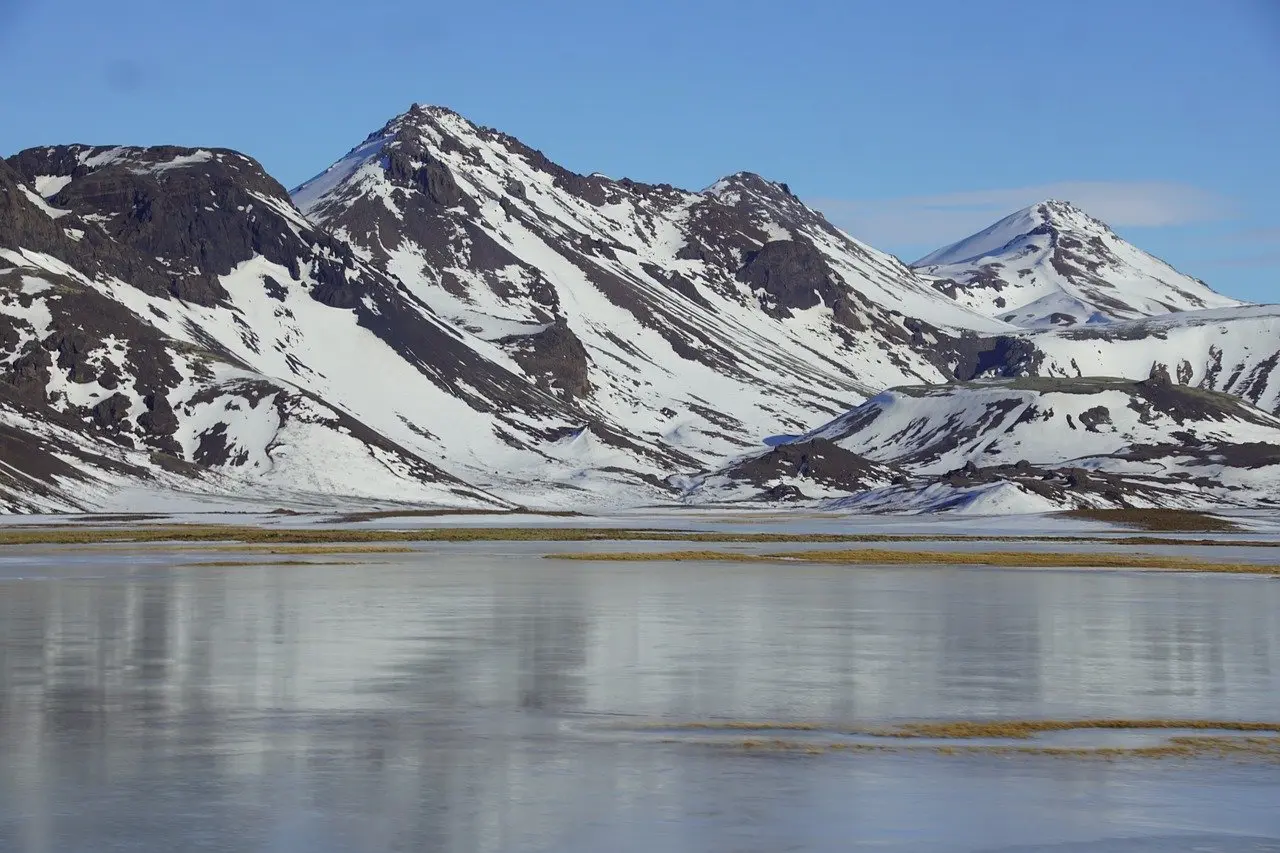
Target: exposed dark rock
1096, 417
29, 373
74, 348
782, 492
431, 177
554, 358
159, 419
793, 273
214, 449
111, 413
1004, 356
1160, 375
818, 460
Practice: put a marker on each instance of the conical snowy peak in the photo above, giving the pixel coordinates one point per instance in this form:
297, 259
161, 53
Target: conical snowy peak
1052, 264
1046, 217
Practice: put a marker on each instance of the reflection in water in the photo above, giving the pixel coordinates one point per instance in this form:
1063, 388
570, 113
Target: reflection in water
431, 704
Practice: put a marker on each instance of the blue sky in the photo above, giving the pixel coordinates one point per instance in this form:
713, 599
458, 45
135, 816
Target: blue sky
911, 123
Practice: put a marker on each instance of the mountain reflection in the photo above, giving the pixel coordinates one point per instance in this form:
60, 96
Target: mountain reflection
440, 702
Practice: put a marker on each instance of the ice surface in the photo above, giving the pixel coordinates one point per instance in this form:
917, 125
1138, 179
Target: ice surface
480, 698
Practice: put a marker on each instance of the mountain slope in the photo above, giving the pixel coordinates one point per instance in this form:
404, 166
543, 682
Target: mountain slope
1234, 350
705, 321
1037, 443
175, 300
1052, 264
457, 321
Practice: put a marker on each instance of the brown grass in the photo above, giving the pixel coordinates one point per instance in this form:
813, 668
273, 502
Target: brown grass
1242, 748
170, 533
1257, 746
1167, 520
963, 729
971, 729
888, 557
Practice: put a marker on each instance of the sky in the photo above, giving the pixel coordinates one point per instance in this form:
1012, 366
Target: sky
910, 123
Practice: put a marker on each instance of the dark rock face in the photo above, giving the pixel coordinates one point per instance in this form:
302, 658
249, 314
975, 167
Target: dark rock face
819, 460
432, 177
782, 492
94, 339
110, 414
168, 220
159, 420
28, 374
555, 357
1003, 356
793, 273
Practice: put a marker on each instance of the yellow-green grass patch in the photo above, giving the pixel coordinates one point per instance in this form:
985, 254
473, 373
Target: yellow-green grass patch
183, 533
892, 557
1265, 749
1167, 520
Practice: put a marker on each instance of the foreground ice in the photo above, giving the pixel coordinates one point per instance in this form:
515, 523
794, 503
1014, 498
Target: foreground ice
444, 700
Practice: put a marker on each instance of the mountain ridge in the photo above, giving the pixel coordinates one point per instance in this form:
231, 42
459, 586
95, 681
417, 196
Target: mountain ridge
447, 317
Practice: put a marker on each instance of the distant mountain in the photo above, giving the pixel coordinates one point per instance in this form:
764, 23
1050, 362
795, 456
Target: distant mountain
1023, 445
445, 317
1052, 264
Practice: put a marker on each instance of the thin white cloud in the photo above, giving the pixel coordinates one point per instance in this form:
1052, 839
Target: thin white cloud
1265, 235
1264, 260
939, 220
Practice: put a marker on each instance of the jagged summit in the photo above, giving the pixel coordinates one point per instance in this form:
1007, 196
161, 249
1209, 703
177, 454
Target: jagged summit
748, 182
1052, 264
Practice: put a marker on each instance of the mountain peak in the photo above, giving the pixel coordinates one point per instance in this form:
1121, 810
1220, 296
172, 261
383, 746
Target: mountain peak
1048, 216
1052, 264
1066, 216
749, 182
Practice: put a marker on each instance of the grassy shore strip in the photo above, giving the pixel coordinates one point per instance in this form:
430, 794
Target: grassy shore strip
1258, 740
1238, 748
191, 533
972, 729
1164, 520
962, 729
888, 557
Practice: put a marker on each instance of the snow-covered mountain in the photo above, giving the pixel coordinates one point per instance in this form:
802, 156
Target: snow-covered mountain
1052, 264
700, 319
173, 310
445, 317
1234, 350
1024, 444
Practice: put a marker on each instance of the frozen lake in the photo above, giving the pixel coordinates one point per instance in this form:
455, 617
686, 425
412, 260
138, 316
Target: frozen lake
479, 698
